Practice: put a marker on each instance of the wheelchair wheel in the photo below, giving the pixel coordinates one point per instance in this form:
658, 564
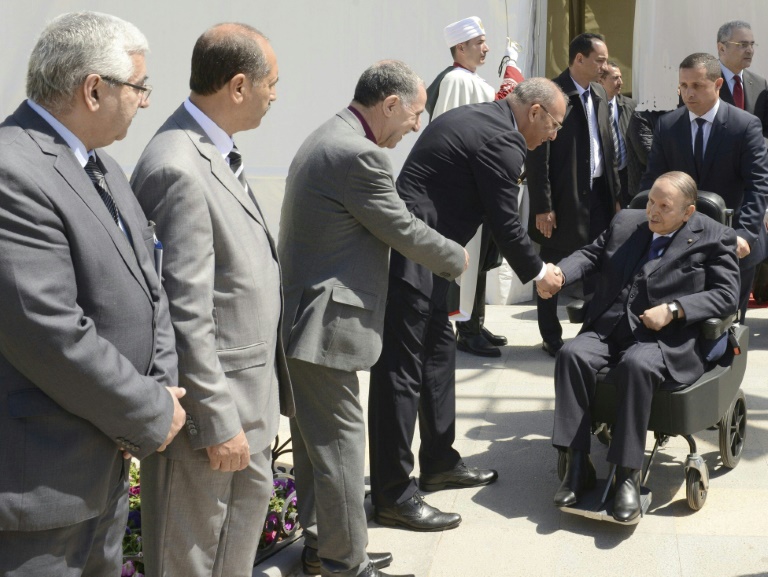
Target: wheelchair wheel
562, 463
733, 431
694, 489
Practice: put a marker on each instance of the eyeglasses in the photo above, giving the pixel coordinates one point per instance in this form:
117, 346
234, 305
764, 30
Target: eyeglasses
145, 90
742, 45
558, 126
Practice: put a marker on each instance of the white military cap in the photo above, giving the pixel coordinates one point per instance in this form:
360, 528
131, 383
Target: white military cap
463, 30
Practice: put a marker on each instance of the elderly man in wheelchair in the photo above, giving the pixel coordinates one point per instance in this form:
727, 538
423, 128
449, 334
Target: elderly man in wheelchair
661, 273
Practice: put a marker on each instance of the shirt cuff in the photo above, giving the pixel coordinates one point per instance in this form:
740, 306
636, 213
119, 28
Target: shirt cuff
542, 273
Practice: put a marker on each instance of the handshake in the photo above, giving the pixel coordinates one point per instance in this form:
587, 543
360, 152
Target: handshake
552, 282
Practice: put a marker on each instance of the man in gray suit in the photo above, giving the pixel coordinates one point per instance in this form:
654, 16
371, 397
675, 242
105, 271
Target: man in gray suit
206, 498
341, 214
87, 360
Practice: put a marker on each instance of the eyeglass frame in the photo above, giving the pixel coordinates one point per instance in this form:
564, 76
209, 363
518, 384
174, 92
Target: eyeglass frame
743, 45
145, 90
558, 125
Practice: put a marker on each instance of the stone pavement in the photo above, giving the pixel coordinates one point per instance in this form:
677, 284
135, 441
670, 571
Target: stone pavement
511, 528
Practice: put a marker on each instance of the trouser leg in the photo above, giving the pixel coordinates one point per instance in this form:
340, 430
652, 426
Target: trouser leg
747, 279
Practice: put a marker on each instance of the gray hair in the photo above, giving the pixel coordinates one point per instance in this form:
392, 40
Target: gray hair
683, 183
387, 78
75, 45
725, 32
536, 91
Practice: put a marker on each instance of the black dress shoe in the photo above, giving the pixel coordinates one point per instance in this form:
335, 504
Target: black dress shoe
477, 345
373, 571
310, 560
579, 477
416, 515
459, 477
552, 346
495, 340
626, 501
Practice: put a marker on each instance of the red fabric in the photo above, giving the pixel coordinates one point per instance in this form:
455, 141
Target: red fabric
738, 92
512, 77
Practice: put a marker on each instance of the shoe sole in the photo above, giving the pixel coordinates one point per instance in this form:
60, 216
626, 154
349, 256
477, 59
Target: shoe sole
395, 523
431, 488
466, 349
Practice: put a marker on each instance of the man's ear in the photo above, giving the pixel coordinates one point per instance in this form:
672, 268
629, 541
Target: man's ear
718, 83
90, 91
689, 210
389, 103
237, 87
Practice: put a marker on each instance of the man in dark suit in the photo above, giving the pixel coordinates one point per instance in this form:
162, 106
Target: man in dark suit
741, 88
573, 182
723, 150
465, 168
87, 360
620, 110
660, 273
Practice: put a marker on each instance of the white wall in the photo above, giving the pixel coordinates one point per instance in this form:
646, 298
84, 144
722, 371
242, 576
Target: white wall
668, 31
322, 46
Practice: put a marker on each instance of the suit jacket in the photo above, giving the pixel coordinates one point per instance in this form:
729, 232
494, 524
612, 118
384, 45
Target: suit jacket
559, 171
221, 273
340, 217
699, 270
755, 97
626, 108
86, 344
735, 166
464, 171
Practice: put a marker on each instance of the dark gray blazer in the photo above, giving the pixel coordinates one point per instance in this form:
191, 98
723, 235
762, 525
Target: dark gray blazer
86, 343
699, 270
341, 214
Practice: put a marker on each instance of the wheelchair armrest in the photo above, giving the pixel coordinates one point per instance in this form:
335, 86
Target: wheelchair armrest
714, 328
577, 310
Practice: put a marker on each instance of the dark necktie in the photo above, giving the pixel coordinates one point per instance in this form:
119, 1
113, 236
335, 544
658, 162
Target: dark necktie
658, 246
236, 164
96, 175
618, 141
738, 92
698, 147
585, 98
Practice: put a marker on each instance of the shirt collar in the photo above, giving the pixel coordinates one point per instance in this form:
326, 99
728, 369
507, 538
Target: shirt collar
368, 132
221, 140
579, 88
728, 75
708, 116
78, 148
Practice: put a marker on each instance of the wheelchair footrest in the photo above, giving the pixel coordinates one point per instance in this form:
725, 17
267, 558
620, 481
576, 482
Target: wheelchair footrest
593, 507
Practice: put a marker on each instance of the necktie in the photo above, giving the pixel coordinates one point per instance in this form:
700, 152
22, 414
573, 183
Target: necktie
587, 108
236, 164
618, 141
698, 147
658, 246
96, 175
738, 92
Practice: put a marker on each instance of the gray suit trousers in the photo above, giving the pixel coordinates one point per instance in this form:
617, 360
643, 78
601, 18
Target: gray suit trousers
328, 434
178, 494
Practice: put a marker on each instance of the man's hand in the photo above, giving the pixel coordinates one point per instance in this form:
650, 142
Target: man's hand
466, 259
552, 282
232, 455
657, 317
742, 247
179, 415
545, 222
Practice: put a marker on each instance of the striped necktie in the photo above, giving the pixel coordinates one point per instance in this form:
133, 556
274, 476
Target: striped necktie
96, 175
236, 164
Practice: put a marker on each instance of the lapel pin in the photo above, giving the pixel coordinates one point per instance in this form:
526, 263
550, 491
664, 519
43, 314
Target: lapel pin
690, 240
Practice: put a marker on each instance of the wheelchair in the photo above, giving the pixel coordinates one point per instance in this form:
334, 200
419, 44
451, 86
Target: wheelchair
714, 401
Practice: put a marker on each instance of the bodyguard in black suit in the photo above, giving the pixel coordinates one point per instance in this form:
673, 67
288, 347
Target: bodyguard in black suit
620, 110
660, 273
732, 163
741, 88
573, 196
464, 170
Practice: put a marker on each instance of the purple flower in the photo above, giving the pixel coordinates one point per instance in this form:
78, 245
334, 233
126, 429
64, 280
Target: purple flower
129, 570
135, 491
134, 519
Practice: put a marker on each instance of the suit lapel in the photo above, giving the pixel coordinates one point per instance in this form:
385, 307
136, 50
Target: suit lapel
751, 92
219, 167
713, 142
685, 238
638, 245
682, 128
74, 175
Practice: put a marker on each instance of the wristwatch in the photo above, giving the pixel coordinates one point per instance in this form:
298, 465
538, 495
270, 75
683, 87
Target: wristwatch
674, 309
